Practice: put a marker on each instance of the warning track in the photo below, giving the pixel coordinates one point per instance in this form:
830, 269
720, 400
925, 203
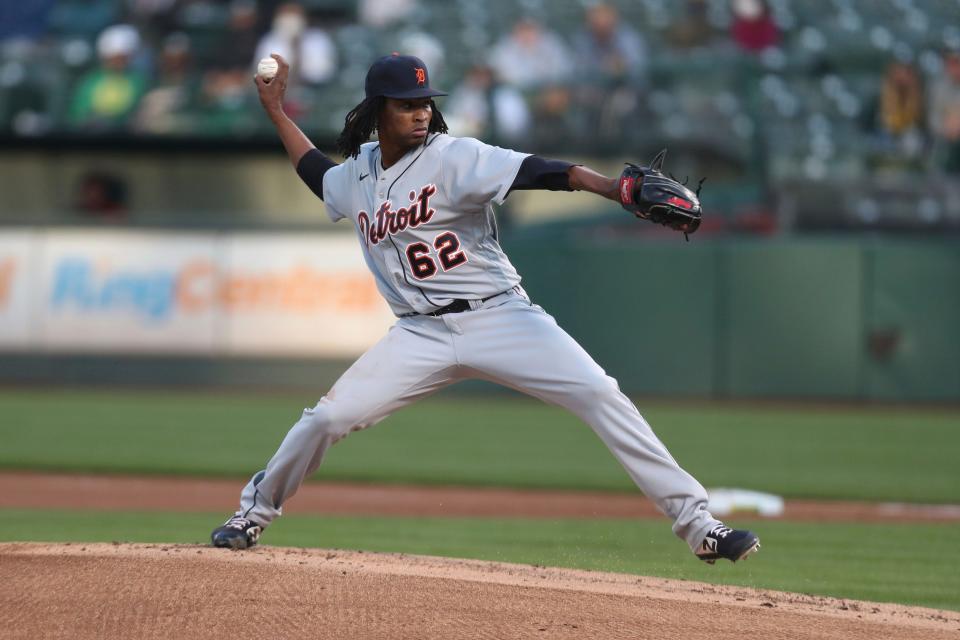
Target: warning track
29, 490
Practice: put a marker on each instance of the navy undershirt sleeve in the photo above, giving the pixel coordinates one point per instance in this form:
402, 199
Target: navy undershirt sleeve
311, 168
542, 173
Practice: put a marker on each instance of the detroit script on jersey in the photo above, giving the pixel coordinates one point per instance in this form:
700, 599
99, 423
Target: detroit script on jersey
390, 222
426, 224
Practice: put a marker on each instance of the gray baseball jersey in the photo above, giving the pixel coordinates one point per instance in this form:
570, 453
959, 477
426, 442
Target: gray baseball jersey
428, 233
426, 224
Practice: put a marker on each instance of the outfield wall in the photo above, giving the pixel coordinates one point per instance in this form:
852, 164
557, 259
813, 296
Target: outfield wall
822, 318
827, 318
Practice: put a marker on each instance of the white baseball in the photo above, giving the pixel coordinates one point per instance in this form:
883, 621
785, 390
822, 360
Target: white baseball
267, 68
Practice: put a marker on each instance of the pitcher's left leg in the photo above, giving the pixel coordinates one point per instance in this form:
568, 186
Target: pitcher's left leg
522, 347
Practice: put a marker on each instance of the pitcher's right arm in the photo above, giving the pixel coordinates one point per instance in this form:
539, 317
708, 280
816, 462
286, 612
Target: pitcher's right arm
310, 163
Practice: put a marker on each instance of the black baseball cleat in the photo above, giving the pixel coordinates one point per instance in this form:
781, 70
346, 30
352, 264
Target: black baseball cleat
236, 533
724, 542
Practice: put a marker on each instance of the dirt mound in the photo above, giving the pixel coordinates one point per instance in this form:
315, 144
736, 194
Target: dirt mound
153, 591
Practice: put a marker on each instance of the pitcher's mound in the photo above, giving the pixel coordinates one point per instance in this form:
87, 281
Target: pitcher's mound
180, 591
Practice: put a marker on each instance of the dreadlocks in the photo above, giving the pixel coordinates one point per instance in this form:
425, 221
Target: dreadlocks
361, 122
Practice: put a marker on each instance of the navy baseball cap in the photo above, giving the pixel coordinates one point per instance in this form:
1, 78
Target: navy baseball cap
397, 76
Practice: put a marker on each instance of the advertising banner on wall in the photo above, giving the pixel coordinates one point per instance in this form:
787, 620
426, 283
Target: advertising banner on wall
73, 291
299, 296
124, 291
18, 254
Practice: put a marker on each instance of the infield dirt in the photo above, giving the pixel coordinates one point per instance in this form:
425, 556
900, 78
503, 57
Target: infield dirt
160, 591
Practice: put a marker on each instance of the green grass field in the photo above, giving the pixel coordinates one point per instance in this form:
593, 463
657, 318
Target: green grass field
869, 454
872, 454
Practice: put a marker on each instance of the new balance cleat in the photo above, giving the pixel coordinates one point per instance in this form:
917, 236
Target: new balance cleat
724, 542
236, 533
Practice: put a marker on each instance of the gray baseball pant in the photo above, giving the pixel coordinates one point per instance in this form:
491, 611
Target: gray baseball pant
506, 340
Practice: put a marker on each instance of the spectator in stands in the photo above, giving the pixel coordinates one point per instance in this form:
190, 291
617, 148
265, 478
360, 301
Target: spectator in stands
537, 62
102, 196
531, 56
239, 41
106, 97
944, 113
608, 48
612, 63
693, 29
753, 28
481, 107
227, 80
154, 19
166, 106
310, 51
901, 99
897, 117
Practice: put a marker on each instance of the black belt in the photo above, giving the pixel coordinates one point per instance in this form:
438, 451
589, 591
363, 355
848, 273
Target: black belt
457, 306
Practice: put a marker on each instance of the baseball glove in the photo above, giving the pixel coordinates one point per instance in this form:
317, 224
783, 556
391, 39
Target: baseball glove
648, 194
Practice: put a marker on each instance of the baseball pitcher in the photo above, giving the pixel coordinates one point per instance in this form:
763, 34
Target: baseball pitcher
421, 204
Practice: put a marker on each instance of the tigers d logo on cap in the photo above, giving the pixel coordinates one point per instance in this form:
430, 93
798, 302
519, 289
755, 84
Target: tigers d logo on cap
399, 76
